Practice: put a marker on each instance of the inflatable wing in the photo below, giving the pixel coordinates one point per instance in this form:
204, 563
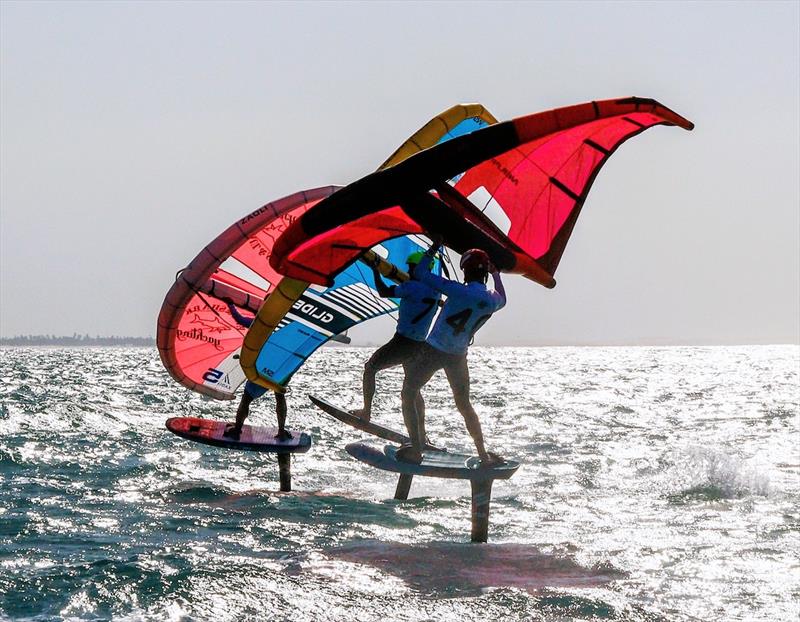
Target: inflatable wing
197, 338
523, 186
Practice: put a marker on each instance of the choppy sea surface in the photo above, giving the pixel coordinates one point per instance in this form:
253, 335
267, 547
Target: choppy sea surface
656, 484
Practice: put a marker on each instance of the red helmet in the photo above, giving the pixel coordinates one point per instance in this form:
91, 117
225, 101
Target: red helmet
475, 260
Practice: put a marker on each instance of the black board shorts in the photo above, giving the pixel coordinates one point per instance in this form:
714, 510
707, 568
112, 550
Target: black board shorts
398, 350
428, 360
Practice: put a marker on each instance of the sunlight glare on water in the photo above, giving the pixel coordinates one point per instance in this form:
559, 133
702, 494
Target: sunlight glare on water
656, 484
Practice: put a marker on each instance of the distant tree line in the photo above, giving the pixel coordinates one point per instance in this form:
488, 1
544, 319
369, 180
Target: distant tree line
76, 340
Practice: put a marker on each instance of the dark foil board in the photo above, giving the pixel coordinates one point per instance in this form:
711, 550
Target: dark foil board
360, 424
434, 463
252, 438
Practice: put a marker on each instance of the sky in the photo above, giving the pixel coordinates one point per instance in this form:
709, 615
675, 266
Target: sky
131, 134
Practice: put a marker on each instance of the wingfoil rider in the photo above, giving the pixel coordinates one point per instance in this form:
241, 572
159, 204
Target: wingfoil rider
468, 307
418, 304
253, 391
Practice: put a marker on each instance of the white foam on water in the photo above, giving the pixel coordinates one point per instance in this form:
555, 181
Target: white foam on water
703, 469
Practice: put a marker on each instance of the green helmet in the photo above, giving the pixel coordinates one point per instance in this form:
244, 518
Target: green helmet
414, 258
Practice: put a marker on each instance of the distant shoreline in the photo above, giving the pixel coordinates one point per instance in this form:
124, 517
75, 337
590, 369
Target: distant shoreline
76, 340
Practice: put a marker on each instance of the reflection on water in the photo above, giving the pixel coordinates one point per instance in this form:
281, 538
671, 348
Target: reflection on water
456, 569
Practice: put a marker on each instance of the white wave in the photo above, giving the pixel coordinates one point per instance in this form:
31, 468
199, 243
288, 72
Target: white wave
703, 469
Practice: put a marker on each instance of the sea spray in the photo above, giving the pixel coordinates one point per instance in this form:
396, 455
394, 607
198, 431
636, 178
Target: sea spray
713, 474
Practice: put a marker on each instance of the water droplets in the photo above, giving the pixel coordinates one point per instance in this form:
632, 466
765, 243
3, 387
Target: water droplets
705, 473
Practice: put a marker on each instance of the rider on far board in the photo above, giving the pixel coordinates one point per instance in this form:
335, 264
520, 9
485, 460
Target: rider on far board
418, 304
253, 391
469, 305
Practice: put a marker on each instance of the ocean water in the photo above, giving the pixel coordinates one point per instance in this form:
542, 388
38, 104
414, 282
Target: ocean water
656, 484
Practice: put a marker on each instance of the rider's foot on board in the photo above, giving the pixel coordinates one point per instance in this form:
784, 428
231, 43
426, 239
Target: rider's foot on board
409, 453
362, 413
283, 435
231, 431
491, 459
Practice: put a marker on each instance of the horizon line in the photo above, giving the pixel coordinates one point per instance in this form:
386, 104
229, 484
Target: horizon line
86, 340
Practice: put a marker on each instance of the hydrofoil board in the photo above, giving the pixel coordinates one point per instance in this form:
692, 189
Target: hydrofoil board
434, 463
365, 426
252, 438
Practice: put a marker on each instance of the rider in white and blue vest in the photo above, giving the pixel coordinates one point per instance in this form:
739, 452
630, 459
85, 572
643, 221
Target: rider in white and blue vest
469, 305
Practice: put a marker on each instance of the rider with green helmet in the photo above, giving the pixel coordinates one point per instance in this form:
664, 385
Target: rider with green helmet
418, 304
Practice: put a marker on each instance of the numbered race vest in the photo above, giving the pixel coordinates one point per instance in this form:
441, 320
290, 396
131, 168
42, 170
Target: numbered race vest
467, 308
418, 303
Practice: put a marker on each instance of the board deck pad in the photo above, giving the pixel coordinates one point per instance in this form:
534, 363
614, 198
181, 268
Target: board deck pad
360, 424
252, 438
434, 463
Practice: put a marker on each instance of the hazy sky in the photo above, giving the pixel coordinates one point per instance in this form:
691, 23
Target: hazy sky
133, 133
